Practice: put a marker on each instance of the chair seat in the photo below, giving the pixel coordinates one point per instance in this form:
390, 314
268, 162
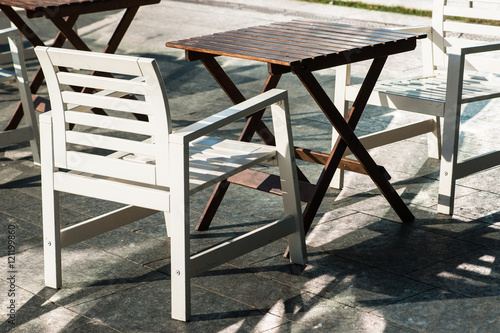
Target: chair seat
213, 159
477, 86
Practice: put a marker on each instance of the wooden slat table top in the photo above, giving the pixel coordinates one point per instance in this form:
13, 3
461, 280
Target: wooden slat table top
289, 43
61, 8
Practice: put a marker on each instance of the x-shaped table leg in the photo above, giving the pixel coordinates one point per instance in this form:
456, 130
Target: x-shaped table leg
345, 128
254, 125
347, 138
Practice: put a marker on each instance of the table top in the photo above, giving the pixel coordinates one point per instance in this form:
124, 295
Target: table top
61, 8
302, 43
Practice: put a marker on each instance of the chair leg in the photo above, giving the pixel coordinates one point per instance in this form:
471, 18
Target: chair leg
17, 51
167, 222
447, 177
51, 239
451, 132
50, 212
434, 140
180, 235
289, 181
291, 202
180, 260
342, 79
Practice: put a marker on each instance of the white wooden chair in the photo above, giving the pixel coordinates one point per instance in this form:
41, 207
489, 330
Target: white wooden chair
453, 75
146, 166
20, 77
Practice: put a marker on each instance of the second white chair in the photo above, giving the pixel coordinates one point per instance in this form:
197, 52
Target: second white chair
456, 70
29, 132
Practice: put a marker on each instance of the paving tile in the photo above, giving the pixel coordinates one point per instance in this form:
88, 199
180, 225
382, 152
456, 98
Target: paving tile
23, 235
488, 236
483, 206
87, 273
28, 208
131, 246
248, 288
443, 311
148, 309
341, 280
35, 314
311, 312
395, 247
475, 274
428, 219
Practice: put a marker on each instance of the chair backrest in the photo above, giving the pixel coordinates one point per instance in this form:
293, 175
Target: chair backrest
122, 87
478, 19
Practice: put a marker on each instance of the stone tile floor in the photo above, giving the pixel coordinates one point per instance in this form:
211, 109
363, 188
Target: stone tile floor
367, 271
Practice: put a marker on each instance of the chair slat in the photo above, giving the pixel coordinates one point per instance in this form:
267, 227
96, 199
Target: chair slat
109, 122
100, 82
484, 14
105, 102
471, 28
110, 143
120, 64
111, 167
237, 147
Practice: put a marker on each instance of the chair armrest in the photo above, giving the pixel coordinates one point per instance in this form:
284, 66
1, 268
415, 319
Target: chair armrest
426, 29
45, 118
473, 49
227, 116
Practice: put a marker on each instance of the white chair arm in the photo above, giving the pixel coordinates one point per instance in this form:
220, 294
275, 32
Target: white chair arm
227, 116
45, 118
473, 49
417, 29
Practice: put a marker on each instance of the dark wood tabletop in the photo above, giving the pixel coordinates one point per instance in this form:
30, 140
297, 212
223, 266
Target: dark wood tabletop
302, 43
61, 8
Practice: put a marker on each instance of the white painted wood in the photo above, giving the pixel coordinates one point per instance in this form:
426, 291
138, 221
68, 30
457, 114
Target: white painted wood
227, 116
110, 143
106, 102
120, 64
450, 80
152, 198
157, 174
476, 164
289, 180
108, 167
342, 81
20, 77
57, 107
106, 83
451, 128
15, 136
179, 233
238, 246
50, 209
103, 223
109, 122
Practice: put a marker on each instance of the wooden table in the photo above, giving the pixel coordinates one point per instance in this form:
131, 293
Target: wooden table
302, 47
63, 14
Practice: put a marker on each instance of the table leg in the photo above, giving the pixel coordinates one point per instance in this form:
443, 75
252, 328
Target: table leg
254, 124
348, 138
121, 29
66, 31
30, 35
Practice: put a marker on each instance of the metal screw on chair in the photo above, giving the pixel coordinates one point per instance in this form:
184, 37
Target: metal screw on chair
178, 272
49, 243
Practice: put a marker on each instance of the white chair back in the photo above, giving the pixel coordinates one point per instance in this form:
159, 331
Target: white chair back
464, 23
84, 136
